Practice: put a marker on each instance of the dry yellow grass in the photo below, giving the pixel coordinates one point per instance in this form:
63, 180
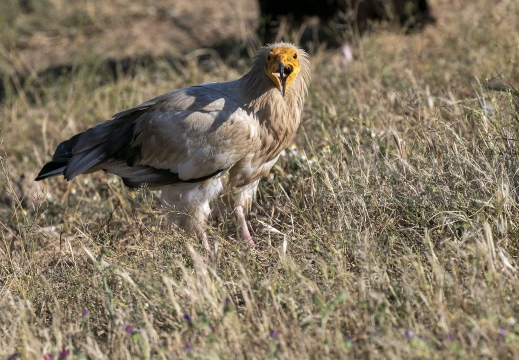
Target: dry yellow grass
388, 230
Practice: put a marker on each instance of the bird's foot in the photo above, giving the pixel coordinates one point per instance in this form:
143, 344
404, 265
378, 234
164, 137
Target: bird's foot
245, 235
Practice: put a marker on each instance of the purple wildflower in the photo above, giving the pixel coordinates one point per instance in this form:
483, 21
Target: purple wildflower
130, 330
187, 317
63, 354
409, 334
228, 303
502, 331
212, 327
85, 312
274, 334
188, 347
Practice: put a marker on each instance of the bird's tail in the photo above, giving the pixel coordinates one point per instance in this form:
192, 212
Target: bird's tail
90, 150
60, 159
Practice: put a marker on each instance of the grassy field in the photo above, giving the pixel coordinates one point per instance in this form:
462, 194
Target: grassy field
388, 230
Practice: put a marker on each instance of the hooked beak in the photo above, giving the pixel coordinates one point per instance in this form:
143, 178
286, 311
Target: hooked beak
284, 71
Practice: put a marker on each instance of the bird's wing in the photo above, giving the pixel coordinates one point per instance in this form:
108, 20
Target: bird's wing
196, 133
187, 135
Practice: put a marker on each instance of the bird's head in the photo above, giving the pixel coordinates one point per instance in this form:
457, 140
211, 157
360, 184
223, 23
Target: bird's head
282, 66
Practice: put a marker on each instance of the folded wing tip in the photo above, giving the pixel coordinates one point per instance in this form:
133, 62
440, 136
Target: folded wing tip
50, 169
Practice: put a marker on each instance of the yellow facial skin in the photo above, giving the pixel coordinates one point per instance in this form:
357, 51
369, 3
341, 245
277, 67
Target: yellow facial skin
282, 67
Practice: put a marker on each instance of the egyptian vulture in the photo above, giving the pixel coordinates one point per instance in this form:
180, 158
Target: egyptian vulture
198, 143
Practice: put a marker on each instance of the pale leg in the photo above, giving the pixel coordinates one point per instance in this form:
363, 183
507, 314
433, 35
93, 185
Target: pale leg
207, 253
242, 226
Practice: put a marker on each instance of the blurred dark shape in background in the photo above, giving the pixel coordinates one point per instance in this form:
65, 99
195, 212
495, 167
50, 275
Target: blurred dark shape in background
336, 21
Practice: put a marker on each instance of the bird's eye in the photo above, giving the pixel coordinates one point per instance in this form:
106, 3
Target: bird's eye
295, 56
